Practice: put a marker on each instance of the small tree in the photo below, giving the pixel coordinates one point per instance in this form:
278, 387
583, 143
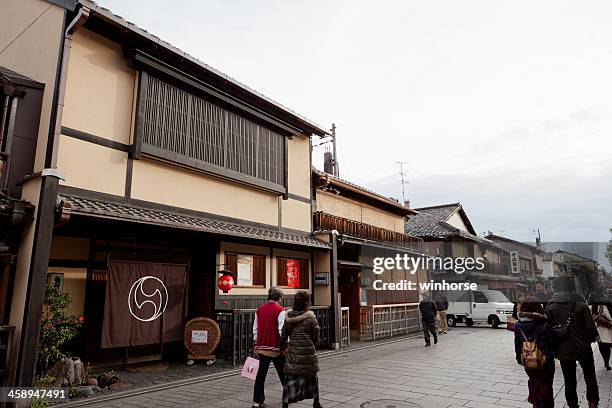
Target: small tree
58, 327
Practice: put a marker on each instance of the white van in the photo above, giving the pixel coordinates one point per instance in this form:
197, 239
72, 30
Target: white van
478, 306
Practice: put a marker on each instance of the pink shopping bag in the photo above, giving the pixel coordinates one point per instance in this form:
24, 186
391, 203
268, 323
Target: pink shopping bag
250, 368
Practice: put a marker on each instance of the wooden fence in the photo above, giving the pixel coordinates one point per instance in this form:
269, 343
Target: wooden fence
380, 321
237, 332
346, 328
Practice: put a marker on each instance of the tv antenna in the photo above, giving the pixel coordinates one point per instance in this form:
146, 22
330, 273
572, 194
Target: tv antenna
404, 180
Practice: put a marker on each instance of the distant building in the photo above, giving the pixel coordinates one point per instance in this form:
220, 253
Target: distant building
447, 232
587, 272
529, 268
592, 250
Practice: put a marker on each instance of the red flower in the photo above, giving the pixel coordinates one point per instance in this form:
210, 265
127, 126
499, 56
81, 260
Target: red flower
81, 318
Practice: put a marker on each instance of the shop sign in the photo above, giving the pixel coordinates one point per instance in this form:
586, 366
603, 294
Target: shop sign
514, 262
321, 278
293, 273
199, 336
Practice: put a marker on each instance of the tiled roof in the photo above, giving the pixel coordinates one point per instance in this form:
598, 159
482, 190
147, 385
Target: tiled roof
431, 222
364, 191
7, 75
118, 211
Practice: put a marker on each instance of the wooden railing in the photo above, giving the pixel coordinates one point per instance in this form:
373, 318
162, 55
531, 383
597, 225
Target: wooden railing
379, 321
237, 332
327, 222
345, 342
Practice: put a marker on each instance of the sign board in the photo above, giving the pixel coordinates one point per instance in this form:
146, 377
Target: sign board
199, 336
321, 278
514, 262
293, 273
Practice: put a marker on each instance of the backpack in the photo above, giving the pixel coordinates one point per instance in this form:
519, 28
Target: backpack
531, 355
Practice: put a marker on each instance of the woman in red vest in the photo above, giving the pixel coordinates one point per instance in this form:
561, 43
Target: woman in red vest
269, 321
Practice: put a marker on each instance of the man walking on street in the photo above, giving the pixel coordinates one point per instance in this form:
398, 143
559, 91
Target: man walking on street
570, 309
542, 294
442, 306
267, 327
428, 318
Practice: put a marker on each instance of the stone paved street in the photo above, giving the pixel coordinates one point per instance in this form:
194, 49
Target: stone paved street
470, 367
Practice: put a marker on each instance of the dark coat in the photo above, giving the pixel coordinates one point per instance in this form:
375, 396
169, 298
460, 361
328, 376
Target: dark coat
515, 310
544, 298
582, 330
299, 336
535, 327
428, 311
441, 303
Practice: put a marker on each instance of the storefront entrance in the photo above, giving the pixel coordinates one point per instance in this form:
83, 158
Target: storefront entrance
181, 263
349, 289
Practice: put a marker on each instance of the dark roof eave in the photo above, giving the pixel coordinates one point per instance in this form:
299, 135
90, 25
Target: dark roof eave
129, 213
493, 237
385, 202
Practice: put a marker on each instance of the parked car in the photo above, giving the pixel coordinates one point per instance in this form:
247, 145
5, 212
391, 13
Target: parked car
478, 306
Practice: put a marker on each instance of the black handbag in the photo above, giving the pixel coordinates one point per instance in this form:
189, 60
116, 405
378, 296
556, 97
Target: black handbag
560, 331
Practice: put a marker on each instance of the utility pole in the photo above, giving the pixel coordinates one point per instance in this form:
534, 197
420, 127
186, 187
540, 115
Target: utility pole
404, 181
335, 153
536, 231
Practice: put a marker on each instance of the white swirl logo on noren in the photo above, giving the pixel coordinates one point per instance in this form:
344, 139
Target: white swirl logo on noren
139, 298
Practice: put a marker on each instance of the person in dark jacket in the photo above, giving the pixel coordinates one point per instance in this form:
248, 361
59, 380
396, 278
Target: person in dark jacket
442, 306
576, 346
299, 337
533, 325
542, 294
517, 306
428, 318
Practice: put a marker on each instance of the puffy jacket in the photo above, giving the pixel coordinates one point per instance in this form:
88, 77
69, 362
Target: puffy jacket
299, 336
535, 327
582, 330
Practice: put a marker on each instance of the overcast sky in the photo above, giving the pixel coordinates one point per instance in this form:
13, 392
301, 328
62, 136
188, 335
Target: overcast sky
505, 107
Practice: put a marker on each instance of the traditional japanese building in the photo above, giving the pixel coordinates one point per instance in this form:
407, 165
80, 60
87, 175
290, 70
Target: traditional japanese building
153, 173
447, 232
363, 225
586, 272
525, 259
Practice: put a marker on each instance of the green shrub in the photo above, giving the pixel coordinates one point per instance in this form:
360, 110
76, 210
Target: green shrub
57, 328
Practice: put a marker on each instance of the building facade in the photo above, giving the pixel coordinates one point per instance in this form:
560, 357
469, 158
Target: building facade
363, 225
448, 233
526, 260
152, 168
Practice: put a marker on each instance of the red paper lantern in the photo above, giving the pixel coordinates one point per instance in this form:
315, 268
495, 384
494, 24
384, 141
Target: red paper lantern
225, 283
